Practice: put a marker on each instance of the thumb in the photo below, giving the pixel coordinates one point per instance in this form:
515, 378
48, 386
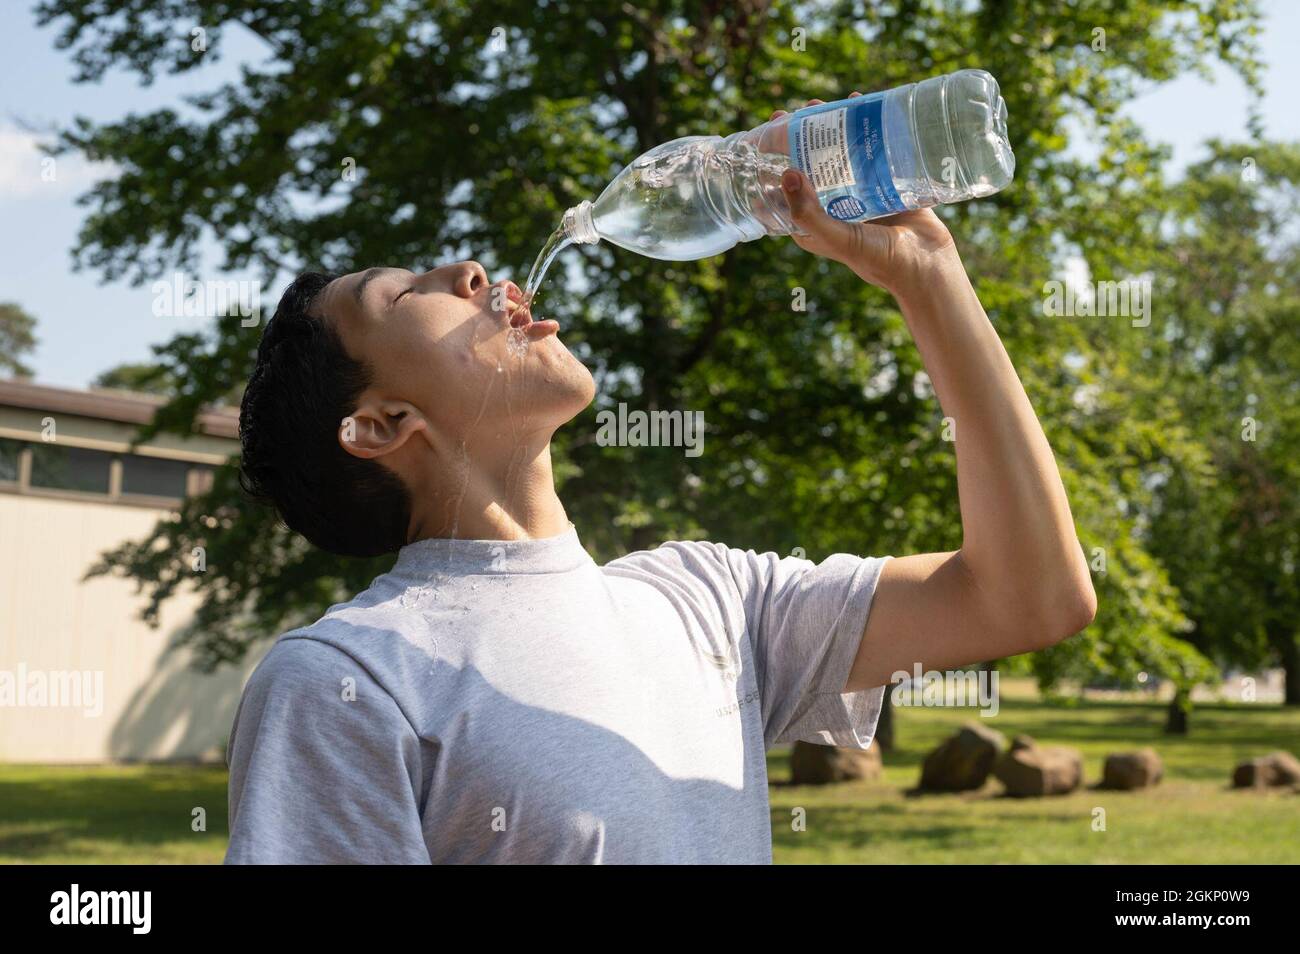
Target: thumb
807, 213
799, 193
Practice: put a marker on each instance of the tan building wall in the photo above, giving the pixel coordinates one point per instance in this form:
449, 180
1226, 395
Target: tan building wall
154, 705
116, 688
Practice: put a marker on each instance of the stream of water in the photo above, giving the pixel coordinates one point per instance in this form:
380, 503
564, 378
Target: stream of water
556, 244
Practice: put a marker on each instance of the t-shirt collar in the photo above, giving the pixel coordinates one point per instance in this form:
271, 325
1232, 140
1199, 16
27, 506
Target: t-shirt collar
446, 556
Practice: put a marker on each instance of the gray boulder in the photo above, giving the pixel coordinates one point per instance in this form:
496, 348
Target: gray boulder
1126, 771
812, 764
962, 762
1275, 770
1029, 770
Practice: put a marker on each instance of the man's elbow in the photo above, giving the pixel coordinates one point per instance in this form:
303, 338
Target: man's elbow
1031, 612
1070, 609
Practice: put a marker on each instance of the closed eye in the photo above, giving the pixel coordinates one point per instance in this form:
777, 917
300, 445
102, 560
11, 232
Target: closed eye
402, 295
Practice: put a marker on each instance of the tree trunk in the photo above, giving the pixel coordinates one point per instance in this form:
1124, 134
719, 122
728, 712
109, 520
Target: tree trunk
885, 727
645, 538
1288, 650
1176, 722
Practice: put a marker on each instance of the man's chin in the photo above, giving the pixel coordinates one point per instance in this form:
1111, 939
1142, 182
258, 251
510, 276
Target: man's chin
562, 391
583, 391
580, 392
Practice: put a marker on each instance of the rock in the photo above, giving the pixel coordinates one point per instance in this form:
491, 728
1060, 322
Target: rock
962, 762
1033, 770
1287, 767
1252, 774
1269, 771
812, 764
1126, 771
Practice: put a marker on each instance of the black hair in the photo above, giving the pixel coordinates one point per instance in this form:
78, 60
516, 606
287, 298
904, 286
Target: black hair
303, 384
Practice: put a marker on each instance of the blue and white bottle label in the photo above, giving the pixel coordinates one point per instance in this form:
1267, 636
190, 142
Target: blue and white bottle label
841, 148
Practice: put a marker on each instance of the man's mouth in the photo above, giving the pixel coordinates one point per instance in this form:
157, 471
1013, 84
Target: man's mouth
519, 314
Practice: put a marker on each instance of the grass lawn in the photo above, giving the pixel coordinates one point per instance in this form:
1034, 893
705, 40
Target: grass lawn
1192, 817
116, 814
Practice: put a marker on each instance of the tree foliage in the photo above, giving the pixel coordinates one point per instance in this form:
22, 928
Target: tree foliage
1229, 531
17, 339
472, 127
136, 378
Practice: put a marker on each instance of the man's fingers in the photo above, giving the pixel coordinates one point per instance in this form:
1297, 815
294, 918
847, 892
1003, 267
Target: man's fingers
776, 114
822, 234
792, 181
805, 210
815, 102
854, 93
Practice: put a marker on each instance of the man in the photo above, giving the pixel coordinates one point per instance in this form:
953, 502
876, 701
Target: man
497, 696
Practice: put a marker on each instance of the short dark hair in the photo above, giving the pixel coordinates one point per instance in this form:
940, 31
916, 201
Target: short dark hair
303, 384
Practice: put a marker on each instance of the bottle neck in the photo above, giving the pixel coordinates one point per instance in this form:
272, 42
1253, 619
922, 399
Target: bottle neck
579, 227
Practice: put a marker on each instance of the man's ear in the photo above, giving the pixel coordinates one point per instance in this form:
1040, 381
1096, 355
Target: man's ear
377, 428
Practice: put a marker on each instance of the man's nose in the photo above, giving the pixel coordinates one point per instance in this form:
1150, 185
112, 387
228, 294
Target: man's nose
468, 278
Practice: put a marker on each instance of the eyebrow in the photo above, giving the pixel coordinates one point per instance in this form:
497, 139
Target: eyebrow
366, 277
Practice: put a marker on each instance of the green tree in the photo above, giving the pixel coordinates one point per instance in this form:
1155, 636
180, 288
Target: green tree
140, 378
471, 128
1229, 531
17, 338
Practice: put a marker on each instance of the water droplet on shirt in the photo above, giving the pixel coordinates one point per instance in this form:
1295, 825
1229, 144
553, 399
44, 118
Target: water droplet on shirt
419, 597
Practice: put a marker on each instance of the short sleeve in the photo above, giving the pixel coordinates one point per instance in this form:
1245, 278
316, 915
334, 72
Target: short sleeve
805, 622
324, 767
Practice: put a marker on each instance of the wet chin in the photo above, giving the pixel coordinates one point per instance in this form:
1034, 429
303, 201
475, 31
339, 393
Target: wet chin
554, 385
570, 391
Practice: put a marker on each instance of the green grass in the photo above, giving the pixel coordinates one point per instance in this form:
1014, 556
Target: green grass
1192, 817
138, 813
113, 814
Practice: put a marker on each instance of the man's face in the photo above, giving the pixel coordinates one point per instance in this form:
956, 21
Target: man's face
459, 348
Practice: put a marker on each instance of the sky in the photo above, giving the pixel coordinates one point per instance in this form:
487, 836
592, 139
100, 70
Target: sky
85, 327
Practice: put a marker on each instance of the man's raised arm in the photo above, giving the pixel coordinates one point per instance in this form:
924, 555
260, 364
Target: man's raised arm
1020, 581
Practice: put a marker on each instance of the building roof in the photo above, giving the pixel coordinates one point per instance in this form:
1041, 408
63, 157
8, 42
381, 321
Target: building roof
121, 406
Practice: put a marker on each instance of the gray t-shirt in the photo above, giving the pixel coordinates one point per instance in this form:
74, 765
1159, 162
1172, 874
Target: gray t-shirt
490, 701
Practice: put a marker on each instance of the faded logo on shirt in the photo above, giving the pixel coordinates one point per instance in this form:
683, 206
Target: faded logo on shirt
740, 703
728, 665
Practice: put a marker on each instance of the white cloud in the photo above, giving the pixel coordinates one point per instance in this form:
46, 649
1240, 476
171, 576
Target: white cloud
26, 172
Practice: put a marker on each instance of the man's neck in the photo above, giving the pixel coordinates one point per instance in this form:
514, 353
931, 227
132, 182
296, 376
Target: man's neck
491, 494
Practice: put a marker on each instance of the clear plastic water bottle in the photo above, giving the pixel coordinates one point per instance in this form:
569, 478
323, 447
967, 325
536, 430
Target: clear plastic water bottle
929, 143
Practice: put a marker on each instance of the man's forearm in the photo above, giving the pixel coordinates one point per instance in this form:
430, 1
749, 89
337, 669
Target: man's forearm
1019, 581
1018, 537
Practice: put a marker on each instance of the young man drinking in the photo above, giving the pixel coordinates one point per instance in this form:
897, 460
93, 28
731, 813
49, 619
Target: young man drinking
498, 696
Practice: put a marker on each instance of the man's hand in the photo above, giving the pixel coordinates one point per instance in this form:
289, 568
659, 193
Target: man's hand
894, 252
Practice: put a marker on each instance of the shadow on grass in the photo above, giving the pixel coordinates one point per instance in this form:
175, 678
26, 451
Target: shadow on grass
846, 826
32, 844
46, 808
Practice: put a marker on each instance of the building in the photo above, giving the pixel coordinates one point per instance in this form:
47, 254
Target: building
82, 677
